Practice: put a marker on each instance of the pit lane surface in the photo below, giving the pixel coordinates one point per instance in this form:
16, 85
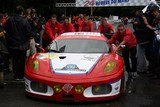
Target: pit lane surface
142, 92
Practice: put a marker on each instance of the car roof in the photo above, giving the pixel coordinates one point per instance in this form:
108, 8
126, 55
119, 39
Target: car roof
82, 35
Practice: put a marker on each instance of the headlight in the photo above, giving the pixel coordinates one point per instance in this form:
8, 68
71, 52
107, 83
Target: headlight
34, 65
57, 88
111, 65
79, 89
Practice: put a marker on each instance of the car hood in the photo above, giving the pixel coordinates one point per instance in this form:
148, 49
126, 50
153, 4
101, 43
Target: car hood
67, 63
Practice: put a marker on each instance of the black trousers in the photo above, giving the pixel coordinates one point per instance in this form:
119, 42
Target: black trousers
4, 62
130, 53
148, 51
1, 62
18, 62
154, 65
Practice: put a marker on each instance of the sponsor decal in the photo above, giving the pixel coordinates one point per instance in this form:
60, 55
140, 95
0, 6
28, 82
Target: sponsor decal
90, 58
67, 88
70, 67
48, 55
53, 56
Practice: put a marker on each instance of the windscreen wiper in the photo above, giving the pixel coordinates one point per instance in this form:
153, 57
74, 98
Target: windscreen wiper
56, 51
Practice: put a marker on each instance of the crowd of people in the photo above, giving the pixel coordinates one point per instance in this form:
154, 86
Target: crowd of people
146, 29
17, 31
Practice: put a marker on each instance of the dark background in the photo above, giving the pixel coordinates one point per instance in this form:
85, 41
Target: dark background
47, 7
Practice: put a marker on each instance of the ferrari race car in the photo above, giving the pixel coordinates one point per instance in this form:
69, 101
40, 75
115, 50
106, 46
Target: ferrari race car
76, 67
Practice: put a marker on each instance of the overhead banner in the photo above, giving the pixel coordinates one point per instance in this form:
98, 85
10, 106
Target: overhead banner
105, 3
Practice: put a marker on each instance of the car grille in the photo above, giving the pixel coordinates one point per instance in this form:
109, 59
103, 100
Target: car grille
68, 97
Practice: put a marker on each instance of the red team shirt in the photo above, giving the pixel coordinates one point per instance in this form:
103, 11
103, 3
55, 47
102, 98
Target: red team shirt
128, 37
106, 29
86, 27
67, 28
51, 30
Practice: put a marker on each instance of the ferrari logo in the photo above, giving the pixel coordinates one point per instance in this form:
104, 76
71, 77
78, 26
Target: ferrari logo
67, 88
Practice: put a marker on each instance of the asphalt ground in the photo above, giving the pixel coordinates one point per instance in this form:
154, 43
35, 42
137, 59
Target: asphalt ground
140, 92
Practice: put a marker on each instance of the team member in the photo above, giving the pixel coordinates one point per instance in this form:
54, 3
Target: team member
105, 27
51, 31
3, 53
86, 26
67, 26
125, 37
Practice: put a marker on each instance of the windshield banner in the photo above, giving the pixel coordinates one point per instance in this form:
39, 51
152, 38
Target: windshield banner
104, 3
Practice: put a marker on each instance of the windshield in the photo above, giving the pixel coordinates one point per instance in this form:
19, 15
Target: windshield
79, 46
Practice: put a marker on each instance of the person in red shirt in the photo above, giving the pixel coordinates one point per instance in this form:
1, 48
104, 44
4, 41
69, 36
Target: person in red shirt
67, 26
5, 18
51, 31
75, 23
126, 37
86, 26
106, 28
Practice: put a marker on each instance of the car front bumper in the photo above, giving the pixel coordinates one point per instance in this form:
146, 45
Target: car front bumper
67, 91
